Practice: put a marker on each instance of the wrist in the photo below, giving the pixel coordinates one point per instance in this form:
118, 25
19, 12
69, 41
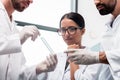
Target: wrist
102, 58
94, 57
97, 57
38, 70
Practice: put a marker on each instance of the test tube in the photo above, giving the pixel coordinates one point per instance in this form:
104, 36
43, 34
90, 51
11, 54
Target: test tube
47, 45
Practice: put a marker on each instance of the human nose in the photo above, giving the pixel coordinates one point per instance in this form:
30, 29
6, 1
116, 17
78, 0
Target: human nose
31, 1
96, 2
66, 33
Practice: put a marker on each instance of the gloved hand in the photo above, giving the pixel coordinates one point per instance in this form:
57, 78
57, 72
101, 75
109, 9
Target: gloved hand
29, 31
82, 56
48, 65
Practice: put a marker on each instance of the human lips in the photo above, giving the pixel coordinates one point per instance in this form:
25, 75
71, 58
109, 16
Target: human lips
68, 39
26, 4
99, 7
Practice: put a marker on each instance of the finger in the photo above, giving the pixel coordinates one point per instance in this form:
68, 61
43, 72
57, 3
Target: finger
70, 51
50, 62
54, 58
76, 62
75, 59
73, 46
36, 30
70, 57
35, 35
47, 61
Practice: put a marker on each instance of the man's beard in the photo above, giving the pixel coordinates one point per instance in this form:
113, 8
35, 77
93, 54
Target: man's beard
107, 9
17, 6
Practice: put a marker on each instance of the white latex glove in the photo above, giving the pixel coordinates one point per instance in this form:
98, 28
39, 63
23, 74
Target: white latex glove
48, 65
82, 56
29, 31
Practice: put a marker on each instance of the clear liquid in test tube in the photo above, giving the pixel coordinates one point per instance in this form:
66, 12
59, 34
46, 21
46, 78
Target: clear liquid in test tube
47, 45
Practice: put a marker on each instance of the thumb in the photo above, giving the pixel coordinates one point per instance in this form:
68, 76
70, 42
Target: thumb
70, 50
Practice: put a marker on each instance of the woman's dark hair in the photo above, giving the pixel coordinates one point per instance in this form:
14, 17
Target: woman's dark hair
76, 17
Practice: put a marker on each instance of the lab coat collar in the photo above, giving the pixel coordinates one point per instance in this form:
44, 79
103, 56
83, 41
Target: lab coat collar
1, 5
114, 22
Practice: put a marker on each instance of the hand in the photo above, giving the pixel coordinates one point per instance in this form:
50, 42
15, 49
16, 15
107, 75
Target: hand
29, 31
48, 65
82, 56
73, 46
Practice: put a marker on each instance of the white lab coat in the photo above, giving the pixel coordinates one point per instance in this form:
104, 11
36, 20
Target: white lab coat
90, 72
111, 45
12, 59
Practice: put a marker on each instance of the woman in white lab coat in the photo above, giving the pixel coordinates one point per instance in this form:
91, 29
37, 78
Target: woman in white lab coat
72, 28
12, 60
110, 43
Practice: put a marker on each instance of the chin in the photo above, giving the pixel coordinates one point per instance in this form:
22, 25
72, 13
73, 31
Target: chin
70, 43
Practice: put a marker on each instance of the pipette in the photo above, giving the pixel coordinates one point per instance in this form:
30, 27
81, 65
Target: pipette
47, 45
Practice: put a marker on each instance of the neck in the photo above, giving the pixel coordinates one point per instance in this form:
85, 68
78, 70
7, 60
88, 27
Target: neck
81, 47
116, 12
8, 6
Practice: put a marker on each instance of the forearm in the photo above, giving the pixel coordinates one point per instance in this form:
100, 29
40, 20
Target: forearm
103, 58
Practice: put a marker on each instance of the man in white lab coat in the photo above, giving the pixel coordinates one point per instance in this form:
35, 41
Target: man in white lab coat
12, 60
110, 42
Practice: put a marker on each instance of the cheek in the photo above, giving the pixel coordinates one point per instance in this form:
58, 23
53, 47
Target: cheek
78, 38
63, 38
